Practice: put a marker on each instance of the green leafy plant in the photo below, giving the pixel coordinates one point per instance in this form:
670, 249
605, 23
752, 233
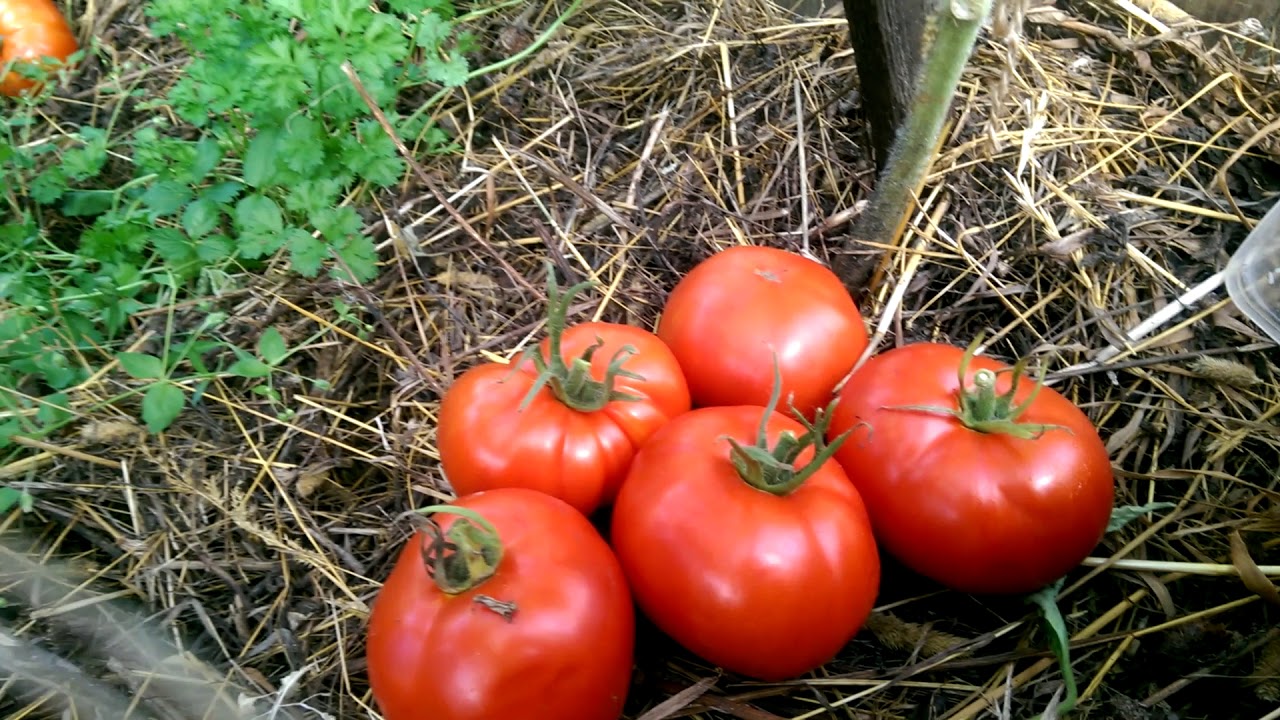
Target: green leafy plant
287, 128
1046, 602
11, 498
164, 398
263, 149
271, 353
58, 300
350, 315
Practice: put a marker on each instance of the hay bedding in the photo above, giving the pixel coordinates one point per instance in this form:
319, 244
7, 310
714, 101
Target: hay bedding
229, 564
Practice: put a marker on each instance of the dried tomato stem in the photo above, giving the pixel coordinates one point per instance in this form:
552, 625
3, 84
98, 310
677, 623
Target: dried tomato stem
981, 409
773, 470
465, 555
572, 383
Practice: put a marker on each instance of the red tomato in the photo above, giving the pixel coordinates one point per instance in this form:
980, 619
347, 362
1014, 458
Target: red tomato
568, 442
983, 507
728, 316
31, 30
548, 635
768, 583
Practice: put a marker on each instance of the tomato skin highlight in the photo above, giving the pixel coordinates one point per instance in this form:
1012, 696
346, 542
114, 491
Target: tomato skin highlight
728, 316
980, 513
31, 30
766, 586
565, 654
485, 441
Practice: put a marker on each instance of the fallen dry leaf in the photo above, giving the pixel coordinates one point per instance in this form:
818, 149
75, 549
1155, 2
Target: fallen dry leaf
465, 279
110, 432
1250, 574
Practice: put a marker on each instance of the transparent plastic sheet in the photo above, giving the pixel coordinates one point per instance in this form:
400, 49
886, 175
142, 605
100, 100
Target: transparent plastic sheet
1253, 274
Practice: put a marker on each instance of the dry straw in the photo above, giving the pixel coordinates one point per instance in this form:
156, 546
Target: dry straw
1123, 163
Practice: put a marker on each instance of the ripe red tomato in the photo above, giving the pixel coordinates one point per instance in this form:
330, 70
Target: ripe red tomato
762, 580
31, 30
728, 316
571, 441
535, 624
974, 502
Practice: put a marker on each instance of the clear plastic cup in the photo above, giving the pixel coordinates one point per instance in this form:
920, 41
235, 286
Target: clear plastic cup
1253, 274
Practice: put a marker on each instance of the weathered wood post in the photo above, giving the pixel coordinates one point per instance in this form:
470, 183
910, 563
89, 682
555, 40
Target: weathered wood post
885, 35
910, 93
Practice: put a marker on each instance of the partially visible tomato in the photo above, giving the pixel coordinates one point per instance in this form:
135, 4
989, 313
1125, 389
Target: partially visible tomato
761, 561
609, 387
729, 316
31, 30
529, 618
981, 490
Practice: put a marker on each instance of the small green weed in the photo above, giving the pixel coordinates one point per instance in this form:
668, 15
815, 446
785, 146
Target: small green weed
287, 127
271, 148
164, 397
13, 498
1046, 602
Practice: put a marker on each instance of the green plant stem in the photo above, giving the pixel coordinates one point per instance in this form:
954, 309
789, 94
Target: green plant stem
1046, 600
465, 555
773, 470
950, 33
981, 409
533, 47
572, 383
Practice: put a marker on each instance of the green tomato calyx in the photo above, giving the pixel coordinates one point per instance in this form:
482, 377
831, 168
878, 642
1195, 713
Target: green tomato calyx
774, 470
981, 409
572, 383
465, 555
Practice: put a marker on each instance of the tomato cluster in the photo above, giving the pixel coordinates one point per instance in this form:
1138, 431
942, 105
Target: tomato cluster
747, 530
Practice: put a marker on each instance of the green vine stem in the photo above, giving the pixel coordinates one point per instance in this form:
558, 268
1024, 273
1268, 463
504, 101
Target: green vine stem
773, 470
521, 56
572, 382
950, 33
980, 408
465, 555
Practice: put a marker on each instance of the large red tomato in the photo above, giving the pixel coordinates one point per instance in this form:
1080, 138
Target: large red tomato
529, 618
728, 317
968, 490
30, 31
578, 432
744, 568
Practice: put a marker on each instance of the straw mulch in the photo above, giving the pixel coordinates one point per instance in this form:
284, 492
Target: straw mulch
228, 565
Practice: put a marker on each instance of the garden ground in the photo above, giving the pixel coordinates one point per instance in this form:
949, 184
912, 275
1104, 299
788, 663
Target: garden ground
228, 563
